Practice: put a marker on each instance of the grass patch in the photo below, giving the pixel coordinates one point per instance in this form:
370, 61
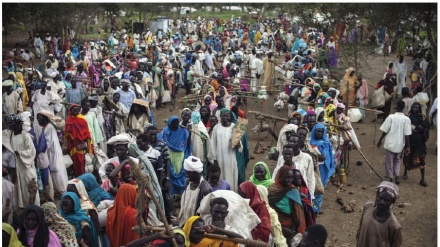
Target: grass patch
94, 36
16, 27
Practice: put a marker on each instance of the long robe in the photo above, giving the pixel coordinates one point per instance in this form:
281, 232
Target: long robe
94, 128
25, 165
199, 146
55, 154
353, 82
221, 150
42, 101
269, 72
12, 103
120, 122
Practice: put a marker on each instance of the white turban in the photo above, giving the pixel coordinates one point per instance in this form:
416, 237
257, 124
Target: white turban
193, 164
123, 138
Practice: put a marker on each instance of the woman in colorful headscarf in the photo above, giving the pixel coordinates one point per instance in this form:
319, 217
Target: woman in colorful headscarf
121, 217
295, 46
24, 93
33, 230
63, 229
261, 175
70, 209
10, 238
248, 190
207, 100
330, 116
77, 186
300, 184
319, 139
96, 194
349, 87
417, 140
299, 118
79, 140
178, 141
286, 200
275, 225
195, 229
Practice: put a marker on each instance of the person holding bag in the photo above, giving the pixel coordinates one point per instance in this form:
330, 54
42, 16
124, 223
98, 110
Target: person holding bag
388, 88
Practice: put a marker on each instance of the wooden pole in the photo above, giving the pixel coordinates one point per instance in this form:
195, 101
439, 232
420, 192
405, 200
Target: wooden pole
141, 177
247, 242
365, 158
256, 113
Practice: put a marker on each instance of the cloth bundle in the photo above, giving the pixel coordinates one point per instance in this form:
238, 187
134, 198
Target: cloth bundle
238, 132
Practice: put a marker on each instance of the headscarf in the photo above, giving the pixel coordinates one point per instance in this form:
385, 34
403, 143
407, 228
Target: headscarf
77, 128
77, 217
96, 193
86, 204
13, 239
179, 231
262, 231
211, 106
63, 229
325, 147
267, 179
195, 117
297, 113
209, 113
175, 139
330, 117
282, 139
318, 111
193, 164
390, 188
41, 237
205, 241
24, 93
121, 217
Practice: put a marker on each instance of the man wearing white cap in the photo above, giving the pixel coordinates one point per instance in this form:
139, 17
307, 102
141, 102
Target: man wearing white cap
196, 188
11, 99
54, 62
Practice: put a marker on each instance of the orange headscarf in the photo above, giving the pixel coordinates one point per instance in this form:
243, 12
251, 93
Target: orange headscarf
121, 217
206, 242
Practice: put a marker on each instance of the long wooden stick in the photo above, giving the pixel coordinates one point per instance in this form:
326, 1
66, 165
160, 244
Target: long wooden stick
365, 158
267, 116
136, 167
247, 242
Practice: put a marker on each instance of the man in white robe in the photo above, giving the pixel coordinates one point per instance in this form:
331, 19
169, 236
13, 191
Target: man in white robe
12, 103
54, 152
221, 151
43, 100
20, 143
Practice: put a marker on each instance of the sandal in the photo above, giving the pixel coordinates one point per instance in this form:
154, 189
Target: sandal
405, 177
423, 183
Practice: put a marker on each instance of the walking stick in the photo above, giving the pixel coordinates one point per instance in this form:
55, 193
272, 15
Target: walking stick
247, 242
144, 182
365, 158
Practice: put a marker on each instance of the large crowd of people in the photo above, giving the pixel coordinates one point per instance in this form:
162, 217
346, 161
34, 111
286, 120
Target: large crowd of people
79, 126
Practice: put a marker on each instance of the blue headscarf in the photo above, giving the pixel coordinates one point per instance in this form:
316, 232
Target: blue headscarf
295, 46
75, 52
195, 117
175, 139
77, 217
96, 193
326, 149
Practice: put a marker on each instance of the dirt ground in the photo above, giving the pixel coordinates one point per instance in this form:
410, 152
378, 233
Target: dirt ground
415, 208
